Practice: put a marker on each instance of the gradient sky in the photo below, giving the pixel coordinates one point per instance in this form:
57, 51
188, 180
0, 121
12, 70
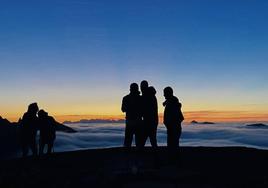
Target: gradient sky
78, 57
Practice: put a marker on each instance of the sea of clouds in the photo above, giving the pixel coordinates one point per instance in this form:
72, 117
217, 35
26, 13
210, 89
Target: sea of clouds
105, 135
112, 135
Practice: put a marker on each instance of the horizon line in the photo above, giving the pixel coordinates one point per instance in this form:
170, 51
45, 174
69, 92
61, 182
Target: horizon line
199, 115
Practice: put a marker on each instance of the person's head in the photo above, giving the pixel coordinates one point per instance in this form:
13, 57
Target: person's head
168, 92
134, 88
144, 86
33, 108
151, 90
42, 113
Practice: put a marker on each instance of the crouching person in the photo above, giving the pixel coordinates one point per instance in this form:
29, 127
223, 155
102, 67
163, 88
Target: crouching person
47, 126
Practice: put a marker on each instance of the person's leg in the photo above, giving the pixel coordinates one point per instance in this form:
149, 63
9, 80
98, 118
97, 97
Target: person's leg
170, 137
152, 136
139, 131
177, 154
175, 136
128, 135
49, 147
33, 146
24, 145
41, 147
170, 144
178, 136
25, 149
140, 134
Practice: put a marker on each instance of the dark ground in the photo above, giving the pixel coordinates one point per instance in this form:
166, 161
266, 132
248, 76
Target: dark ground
115, 167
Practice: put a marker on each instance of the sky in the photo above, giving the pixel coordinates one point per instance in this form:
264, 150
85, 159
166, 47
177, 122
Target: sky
77, 58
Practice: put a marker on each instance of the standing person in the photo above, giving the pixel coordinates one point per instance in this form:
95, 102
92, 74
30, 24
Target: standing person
144, 100
47, 131
150, 116
131, 105
144, 87
29, 130
173, 118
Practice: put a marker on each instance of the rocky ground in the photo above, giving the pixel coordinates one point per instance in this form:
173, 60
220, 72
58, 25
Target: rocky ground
117, 167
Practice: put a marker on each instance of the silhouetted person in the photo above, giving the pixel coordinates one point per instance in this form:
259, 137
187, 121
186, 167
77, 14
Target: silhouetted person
29, 129
173, 118
144, 98
149, 113
47, 125
144, 87
131, 105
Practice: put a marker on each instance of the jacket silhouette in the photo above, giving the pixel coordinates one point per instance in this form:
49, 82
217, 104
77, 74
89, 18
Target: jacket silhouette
29, 127
47, 125
131, 105
173, 118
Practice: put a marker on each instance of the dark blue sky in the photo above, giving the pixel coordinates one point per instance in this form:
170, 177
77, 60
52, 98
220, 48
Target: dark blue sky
77, 57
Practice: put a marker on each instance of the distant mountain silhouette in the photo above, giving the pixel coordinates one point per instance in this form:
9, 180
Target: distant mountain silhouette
9, 139
257, 125
64, 128
205, 122
3, 121
95, 121
6, 125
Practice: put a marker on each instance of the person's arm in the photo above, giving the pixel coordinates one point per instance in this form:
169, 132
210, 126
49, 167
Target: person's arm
123, 107
156, 110
23, 120
54, 123
181, 118
54, 126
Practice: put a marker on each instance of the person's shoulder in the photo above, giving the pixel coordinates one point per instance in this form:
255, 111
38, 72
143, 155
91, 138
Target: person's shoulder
25, 115
126, 97
178, 102
175, 99
50, 117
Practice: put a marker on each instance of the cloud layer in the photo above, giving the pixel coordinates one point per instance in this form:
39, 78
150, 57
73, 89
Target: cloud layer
112, 135
109, 135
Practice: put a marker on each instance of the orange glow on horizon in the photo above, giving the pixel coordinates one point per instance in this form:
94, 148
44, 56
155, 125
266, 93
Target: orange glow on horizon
214, 116
62, 118
225, 116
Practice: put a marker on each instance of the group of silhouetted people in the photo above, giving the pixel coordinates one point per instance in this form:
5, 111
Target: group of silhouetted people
141, 121
142, 116
32, 121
